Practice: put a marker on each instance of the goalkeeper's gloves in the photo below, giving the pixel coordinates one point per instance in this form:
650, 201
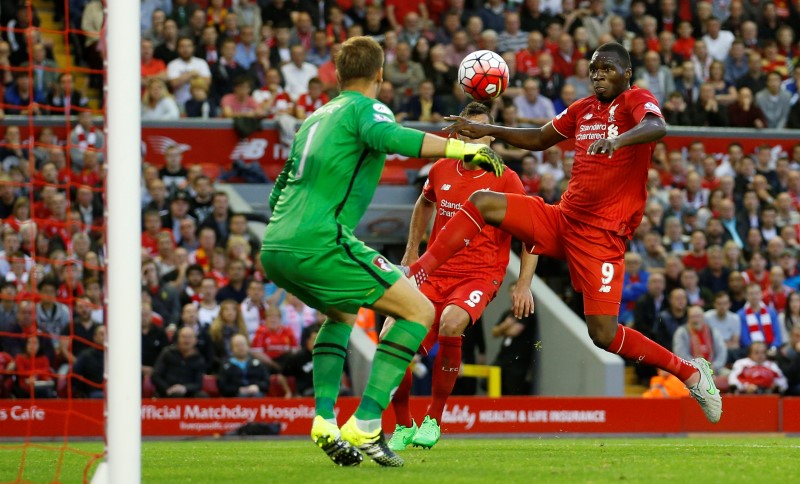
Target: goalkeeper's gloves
479, 155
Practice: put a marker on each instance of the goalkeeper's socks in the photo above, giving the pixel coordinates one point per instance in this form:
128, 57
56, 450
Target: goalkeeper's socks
330, 350
635, 346
391, 361
402, 412
445, 371
454, 236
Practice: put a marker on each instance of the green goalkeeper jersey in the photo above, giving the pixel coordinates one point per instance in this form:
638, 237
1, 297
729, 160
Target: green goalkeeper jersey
334, 166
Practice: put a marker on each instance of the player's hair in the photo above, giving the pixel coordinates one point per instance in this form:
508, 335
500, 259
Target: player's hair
476, 109
618, 49
360, 58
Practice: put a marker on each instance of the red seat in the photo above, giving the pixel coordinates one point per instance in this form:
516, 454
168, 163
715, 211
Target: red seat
210, 385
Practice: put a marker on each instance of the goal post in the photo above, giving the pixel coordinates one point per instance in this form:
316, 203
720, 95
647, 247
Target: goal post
123, 124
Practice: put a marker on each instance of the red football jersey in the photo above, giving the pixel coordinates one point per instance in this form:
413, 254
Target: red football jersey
274, 343
609, 193
448, 186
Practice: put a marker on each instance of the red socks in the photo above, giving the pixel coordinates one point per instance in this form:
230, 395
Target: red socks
453, 237
402, 412
633, 345
445, 371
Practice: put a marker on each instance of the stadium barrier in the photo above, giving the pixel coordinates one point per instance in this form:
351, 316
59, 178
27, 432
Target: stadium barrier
215, 145
463, 415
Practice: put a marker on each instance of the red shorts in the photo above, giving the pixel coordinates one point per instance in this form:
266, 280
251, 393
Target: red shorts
471, 295
595, 256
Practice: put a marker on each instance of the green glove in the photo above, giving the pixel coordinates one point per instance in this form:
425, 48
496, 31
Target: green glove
480, 155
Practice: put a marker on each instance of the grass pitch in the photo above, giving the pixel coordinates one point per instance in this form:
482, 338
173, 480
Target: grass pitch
453, 460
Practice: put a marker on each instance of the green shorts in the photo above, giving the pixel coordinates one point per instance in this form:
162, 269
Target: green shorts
345, 277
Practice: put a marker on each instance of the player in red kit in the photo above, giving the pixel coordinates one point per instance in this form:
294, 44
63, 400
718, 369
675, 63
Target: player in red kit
614, 133
463, 286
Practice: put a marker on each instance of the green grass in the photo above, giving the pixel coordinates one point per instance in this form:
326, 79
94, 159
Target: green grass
717, 459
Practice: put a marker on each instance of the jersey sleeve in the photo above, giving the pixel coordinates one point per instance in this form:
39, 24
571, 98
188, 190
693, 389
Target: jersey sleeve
512, 183
378, 130
641, 103
564, 122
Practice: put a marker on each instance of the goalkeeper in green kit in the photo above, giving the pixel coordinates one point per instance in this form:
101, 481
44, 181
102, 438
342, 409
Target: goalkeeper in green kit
309, 248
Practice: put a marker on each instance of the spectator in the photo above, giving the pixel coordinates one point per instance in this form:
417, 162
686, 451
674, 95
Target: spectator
274, 101
424, 106
736, 63
757, 270
515, 357
227, 323
775, 296
151, 66
790, 316
89, 369
44, 71
164, 296
791, 85
715, 275
153, 15
239, 103
154, 338
193, 28
597, 22
242, 375
254, 308
298, 72
656, 77
320, 52
34, 371
167, 50
236, 289
157, 104
183, 70
532, 107
208, 46
85, 136
774, 102
726, 322
182, 11
754, 79
725, 91
718, 41
225, 72
312, 100
759, 322
404, 74
788, 360
654, 256
707, 111
51, 316
273, 343
512, 38
688, 84
696, 339
208, 308
697, 258
199, 106
246, 48
755, 374
179, 370
696, 294
456, 51
671, 318
298, 365
18, 96
74, 337
634, 287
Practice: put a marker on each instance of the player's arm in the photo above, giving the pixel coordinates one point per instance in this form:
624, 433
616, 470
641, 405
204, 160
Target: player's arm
650, 128
534, 139
380, 132
420, 218
521, 297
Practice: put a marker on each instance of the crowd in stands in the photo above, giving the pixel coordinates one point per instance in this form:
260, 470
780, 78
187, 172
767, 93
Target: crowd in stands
729, 63
712, 271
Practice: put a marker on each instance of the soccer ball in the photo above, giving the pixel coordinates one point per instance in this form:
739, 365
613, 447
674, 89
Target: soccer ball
483, 75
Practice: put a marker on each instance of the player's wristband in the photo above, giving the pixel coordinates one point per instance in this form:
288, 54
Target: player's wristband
455, 149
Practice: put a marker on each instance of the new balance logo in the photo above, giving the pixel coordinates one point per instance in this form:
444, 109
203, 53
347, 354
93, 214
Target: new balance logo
446, 187
466, 242
588, 116
605, 289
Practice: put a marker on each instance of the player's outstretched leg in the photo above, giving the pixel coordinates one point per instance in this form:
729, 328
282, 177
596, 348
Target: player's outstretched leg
481, 208
633, 345
328, 438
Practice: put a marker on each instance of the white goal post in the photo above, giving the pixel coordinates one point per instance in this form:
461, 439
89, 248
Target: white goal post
123, 351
